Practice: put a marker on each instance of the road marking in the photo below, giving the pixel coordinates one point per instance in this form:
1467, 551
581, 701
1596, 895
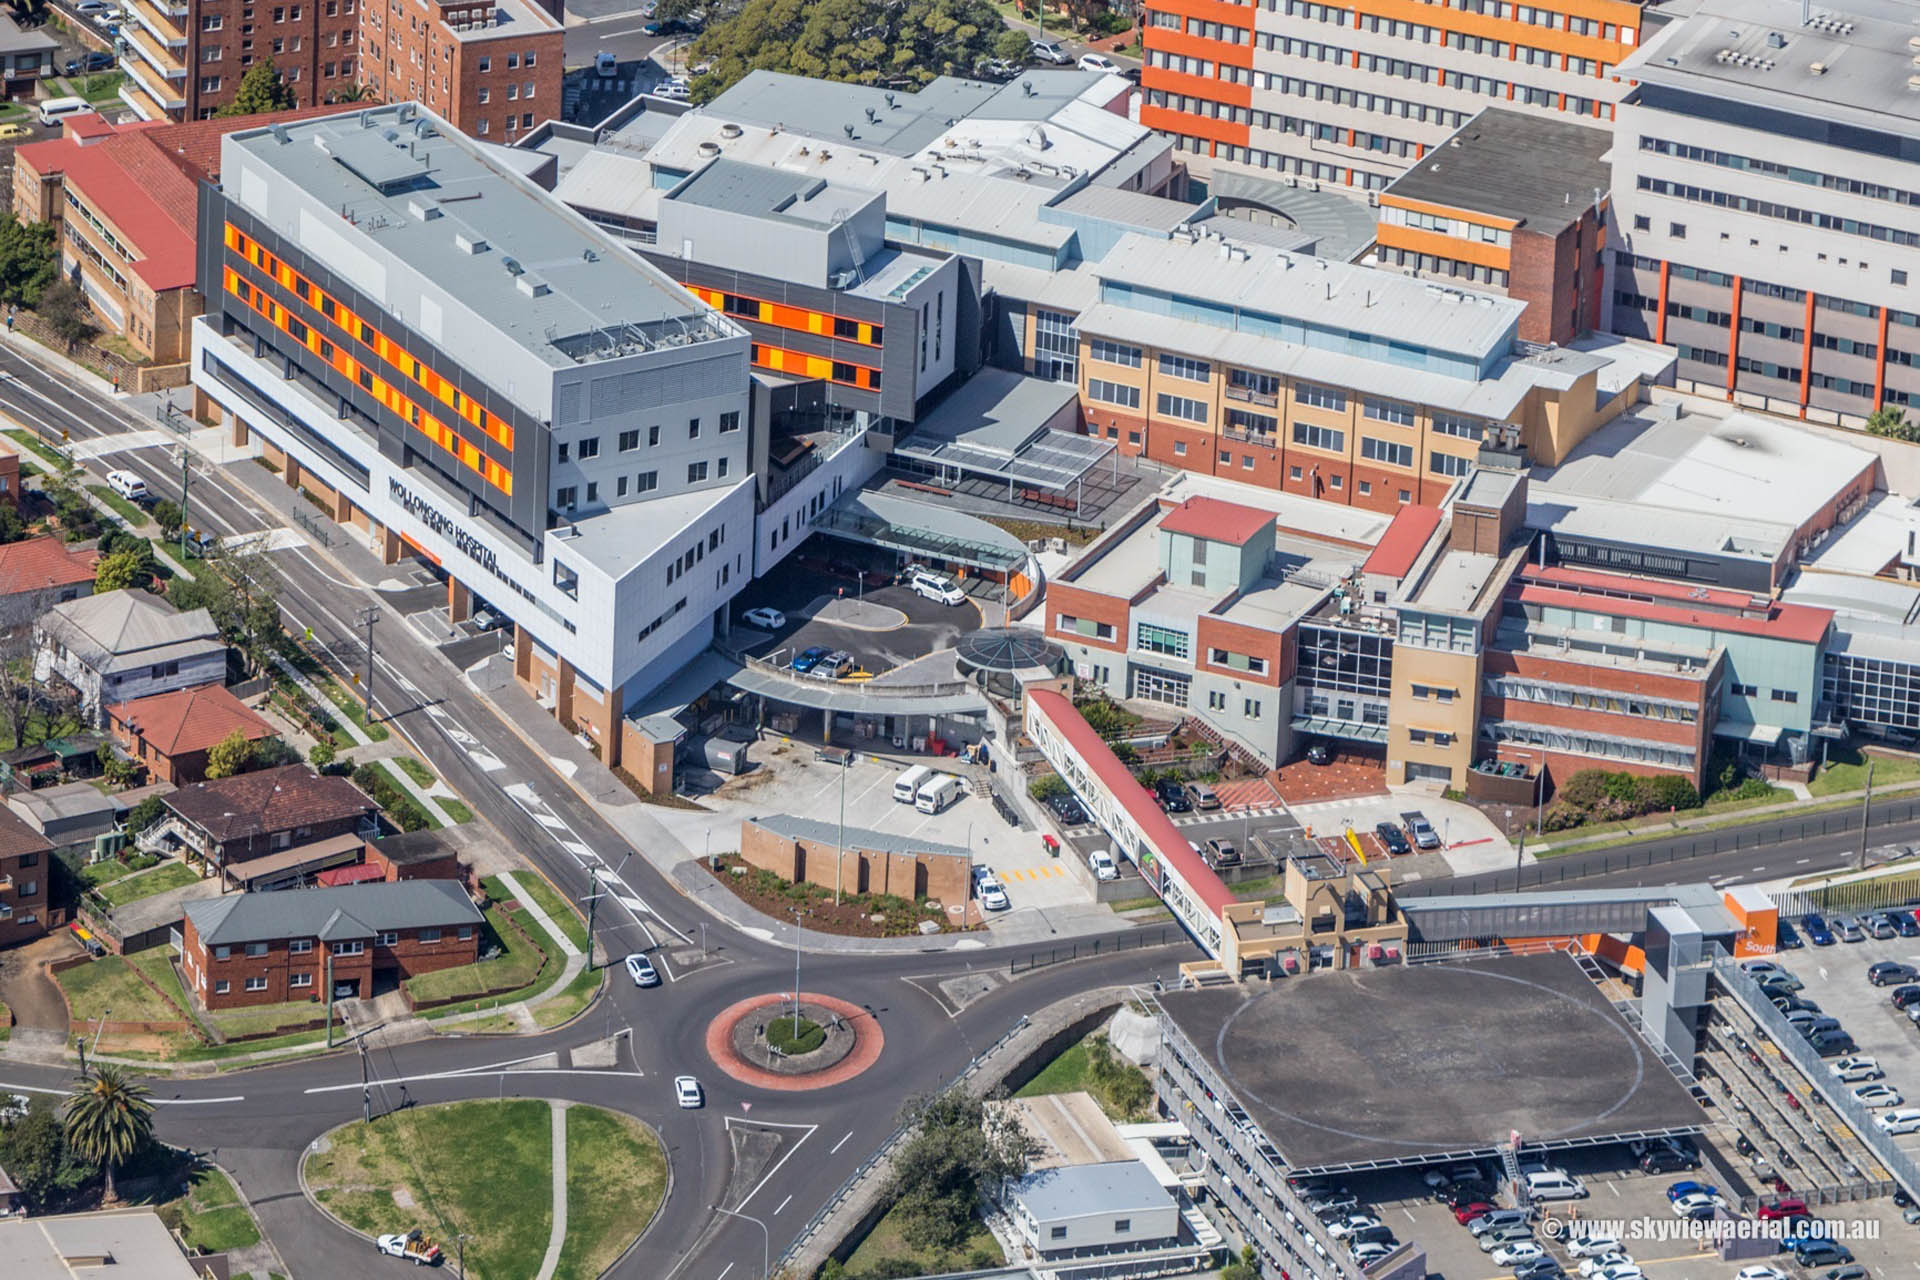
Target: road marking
723, 1272
84, 450
783, 1204
1801, 862
810, 1128
832, 1151
195, 1102
466, 1072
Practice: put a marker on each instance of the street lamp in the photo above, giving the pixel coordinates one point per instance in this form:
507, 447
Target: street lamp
460, 1246
766, 1239
796, 972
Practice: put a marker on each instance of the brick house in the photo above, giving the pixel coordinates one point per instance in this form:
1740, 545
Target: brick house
24, 854
38, 573
171, 733
269, 811
267, 948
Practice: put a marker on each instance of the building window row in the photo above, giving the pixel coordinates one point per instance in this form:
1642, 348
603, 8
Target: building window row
1386, 452
1192, 370
801, 364
1114, 393
1561, 695
1458, 228
1781, 212
1359, 99
798, 319
1150, 638
1107, 351
1590, 744
1774, 169
1182, 407
1438, 265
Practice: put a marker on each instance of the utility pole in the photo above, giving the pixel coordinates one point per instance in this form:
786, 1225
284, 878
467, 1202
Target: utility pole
366, 1093
329, 947
796, 971
366, 618
1866, 804
840, 851
186, 473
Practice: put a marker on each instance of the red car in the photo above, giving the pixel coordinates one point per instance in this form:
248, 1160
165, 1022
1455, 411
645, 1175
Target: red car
1787, 1208
1468, 1212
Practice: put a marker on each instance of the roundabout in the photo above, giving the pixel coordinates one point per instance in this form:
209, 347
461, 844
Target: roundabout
755, 1042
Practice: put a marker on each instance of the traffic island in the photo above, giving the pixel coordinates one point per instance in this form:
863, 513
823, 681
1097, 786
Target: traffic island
757, 1042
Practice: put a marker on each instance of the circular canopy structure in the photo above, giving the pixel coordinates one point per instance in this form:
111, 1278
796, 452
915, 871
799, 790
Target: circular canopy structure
1007, 649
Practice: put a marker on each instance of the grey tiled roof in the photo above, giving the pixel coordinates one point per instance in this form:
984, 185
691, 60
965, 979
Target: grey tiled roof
332, 915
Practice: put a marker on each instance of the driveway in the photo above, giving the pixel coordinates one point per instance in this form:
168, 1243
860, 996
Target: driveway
29, 991
893, 627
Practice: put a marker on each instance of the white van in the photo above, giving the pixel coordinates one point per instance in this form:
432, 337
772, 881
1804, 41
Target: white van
54, 110
936, 793
907, 786
937, 586
1554, 1185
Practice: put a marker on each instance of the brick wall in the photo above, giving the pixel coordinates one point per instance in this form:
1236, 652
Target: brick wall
1066, 600
941, 876
1277, 648
1625, 682
281, 969
24, 870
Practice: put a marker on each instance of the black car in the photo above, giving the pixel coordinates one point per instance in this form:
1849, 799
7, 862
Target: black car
1393, 838
1172, 796
1667, 1160
1068, 810
1906, 996
1538, 1269
1468, 1191
1786, 1002
668, 27
1891, 973
1832, 1044
1320, 751
1789, 938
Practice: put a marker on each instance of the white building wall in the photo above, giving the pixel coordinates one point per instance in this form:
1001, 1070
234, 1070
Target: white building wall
784, 524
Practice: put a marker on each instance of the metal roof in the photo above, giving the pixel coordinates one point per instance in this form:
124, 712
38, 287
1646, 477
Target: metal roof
129, 628
858, 698
353, 911
785, 824
1541, 171
995, 424
770, 193
1080, 1190
1008, 649
922, 528
900, 122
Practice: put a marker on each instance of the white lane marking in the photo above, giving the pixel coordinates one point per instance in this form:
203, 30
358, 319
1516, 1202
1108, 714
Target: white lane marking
783, 1204
576, 847
723, 1272
769, 1124
479, 1071
82, 450
198, 1102
486, 763
835, 1148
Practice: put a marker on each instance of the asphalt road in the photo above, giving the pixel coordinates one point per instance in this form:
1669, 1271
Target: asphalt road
923, 626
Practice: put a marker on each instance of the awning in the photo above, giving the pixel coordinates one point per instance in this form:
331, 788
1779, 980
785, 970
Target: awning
1344, 729
1765, 735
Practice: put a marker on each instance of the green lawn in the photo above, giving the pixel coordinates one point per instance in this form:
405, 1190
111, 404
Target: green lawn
211, 1214
168, 875
267, 1017
558, 909
1846, 770
32, 443
95, 874
130, 512
616, 1177
107, 989
455, 809
1122, 1089
483, 1169
521, 965
351, 707
886, 1246
570, 999
415, 770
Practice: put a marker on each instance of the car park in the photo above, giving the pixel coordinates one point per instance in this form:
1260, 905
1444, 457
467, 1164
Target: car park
128, 485
1849, 929
1518, 1251
1393, 838
1171, 796
1048, 51
1891, 973
687, 1092
1877, 1097
641, 970
1097, 62
765, 618
1100, 862
1855, 1069
1817, 932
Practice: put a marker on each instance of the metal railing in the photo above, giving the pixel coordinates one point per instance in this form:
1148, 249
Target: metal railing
1138, 940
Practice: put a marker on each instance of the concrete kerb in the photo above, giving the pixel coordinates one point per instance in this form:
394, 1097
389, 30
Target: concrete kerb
861, 1201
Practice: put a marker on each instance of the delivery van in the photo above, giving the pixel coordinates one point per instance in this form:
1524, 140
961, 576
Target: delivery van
937, 793
906, 787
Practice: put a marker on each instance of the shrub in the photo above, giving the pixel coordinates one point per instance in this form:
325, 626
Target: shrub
144, 815
397, 804
1585, 789
1561, 816
795, 1036
1047, 786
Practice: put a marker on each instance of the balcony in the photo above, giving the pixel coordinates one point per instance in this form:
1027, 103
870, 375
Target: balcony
149, 95
1247, 395
155, 54
169, 33
1265, 439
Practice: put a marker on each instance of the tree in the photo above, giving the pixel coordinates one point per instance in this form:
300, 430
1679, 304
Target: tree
117, 770
1892, 423
261, 89
12, 526
1012, 45
28, 260
350, 93
118, 571
109, 1119
906, 42
229, 755
144, 815
167, 514
957, 1153
35, 1153
65, 310
1244, 1267
239, 593
322, 754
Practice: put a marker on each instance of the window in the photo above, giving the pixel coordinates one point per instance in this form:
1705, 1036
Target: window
349, 948
222, 953
1317, 397
1250, 708
1122, 1224
593, 492
256, 984
1216, 700
566, 496
653, 436
696, 472
221, 988
1183, 367
1786, 695
646, 482
1157, 639
1393, 411
1446, 464
1058, 1233
729, 421
513, 61
300, 980
1107, 352
693, 428
1113, 393
300, 947
429, 935
1394, 455
466, 930
724, 464
256, 948
590, 448
1448, 424
1086, 627
1328, 438
629, 441
1169, 406
486, 64
1678, 230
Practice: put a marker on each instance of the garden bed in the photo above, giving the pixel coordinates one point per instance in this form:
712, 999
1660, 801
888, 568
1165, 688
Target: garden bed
854, 917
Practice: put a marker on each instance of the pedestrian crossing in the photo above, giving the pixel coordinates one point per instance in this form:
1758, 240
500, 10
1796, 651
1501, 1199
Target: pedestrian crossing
1030, 874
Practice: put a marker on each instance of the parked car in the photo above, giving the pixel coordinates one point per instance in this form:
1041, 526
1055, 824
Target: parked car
987, 888
1829, 1044
1171, 796
1849, 929
1787, 938
666, 27
1668, 1160
1100, 862
1781, 981
412, 1245
1392, 837
1368, 1254
1900, 1120
1903, 997
1784, 1208
1698, 1207
1855, 1069
1068, 809
1518, 1251
807, 659
687, 1092
1220, 853
1341, 1228
128, 485
1787, 1003
678, 88
1818, 1251
1879, 926
1472, 1209
16, 132
1904, 924
1877, 1096
833, 666
1203, 796
1817, 932
1688, 1187
1760, 1271
641, 970
1539, 1269
1097, 62
1048, 51
1889, 973
764, 618
1593, 1246
1613, 1260
1319, 751
1499, 1237
1422, 831
1495, 1219
937, 587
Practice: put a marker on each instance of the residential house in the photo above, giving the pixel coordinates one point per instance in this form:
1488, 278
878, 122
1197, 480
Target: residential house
125, 645
25, 56
266, 948
38, 573
172, 733
106, 1243
9, 471
23, 881
1106, 1210
13, 1203
70, 816
252, 815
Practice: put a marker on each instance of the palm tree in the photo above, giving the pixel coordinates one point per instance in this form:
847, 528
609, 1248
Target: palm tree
108, 1118
349, 93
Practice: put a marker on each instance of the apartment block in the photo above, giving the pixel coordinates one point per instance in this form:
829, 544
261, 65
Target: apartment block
25, 880
1260, 94
492, 69
184, 58
1514, 203
1765, 172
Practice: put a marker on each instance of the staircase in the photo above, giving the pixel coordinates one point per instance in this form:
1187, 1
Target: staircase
156, 838
1235, 749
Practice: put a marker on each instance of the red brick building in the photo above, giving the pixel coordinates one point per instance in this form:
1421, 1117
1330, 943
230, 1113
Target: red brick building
171, 733
24, 854
184, 58
491, 67
267, 948
269, 811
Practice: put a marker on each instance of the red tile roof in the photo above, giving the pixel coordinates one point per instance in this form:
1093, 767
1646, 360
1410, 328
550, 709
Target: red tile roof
189, 719
39, 563
1216, 521
1167, 842
358, 873
144, 179
1804, 624
267, 800
1405, 538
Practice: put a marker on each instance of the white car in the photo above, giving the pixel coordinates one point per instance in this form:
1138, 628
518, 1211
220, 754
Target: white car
1508, 1255
1625, 1271
1697, 1204
641, 970
1877, 1096
1758, 967
1095, 62
1612, 1259
677, 88
765, 619
1048, 51
686, 1090
933, 586
1341, 1228
1595, 1246
1761, 1272
1102, 864
127, 485
1854, 1069
1902, 1120
992, 894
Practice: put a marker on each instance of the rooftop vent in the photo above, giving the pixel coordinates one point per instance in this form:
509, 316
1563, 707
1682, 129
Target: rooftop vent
513, 266
424, 209
1776, 40
280, 134
893, 103
873, 117
469, 242
709, 149
729, 130
532, 286
849, 130
1818, 69
1913, 42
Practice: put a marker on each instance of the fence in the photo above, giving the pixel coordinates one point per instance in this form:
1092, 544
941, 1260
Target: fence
1134, 941
1871, 894
1668, 849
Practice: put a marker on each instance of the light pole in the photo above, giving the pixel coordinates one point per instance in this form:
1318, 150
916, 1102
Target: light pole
796, 972
766, 1238
460, 1246
1866, 805
840, 847
366, 618
186, 472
